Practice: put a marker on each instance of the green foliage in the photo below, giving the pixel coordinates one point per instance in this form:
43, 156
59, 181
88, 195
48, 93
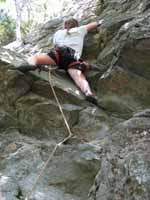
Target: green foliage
30, 13
7, 29
25, 27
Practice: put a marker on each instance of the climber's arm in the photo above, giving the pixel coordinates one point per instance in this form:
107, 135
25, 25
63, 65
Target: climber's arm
91, 26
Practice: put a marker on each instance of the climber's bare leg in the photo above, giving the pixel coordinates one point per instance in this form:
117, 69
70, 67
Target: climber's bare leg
41, 59
80, 81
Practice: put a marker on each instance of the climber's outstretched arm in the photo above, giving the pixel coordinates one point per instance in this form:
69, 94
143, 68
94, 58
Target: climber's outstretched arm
91, 26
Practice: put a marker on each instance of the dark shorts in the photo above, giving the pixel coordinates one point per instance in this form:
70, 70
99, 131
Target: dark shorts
64, 57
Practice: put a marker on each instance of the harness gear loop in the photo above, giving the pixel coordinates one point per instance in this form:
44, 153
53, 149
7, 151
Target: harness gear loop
56, 55
58, 144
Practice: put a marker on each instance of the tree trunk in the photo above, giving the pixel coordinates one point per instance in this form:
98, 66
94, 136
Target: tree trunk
18, 29
18, 21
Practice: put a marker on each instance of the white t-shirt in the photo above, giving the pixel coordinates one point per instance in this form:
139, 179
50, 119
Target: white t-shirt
74, 39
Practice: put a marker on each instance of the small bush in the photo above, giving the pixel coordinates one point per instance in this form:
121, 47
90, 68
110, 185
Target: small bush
7, 29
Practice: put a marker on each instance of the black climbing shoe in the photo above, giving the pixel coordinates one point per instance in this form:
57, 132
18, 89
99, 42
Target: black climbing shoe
94, 67
26, 68
92, 99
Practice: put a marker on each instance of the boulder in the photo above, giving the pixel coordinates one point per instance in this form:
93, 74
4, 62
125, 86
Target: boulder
124, 172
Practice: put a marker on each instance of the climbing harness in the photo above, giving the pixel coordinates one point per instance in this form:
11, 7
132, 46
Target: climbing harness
58, 144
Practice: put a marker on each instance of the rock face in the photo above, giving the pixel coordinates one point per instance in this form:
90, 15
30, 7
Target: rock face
109, 155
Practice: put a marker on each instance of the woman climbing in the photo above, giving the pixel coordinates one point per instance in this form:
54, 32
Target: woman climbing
66, 54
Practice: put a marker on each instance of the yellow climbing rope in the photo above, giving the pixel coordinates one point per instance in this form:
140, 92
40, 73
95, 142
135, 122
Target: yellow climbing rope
58, 144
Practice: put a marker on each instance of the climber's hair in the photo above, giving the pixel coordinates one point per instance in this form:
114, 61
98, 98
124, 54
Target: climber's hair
70, 23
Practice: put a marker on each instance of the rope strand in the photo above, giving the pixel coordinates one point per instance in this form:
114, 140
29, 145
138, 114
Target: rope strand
59, 105
57, 145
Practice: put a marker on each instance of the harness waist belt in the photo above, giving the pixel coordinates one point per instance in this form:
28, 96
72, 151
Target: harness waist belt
73, 63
